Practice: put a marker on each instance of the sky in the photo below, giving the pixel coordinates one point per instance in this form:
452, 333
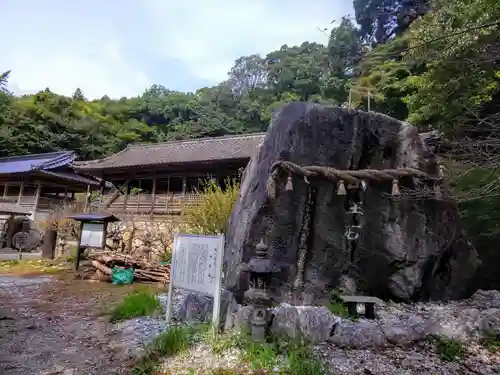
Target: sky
121, 47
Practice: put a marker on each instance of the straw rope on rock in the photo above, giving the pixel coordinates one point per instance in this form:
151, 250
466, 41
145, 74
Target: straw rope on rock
352, 177
412, 250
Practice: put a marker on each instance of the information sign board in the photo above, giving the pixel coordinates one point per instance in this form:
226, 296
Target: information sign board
92, 235
197, 267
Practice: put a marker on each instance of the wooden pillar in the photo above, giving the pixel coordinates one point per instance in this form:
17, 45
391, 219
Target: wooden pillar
139, 196
87, 199
37, 199
65, 199
21, 192
101, 194
168, 194
5, 188
125, 199
153, 196
184, 185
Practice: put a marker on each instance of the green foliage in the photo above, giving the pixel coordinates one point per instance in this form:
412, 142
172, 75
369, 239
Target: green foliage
171, 342
492, 343
336, 305
430, 62
211, 214
139, 303
281, 357
448, 350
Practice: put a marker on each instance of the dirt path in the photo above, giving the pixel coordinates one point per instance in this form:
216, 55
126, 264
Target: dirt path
52, 326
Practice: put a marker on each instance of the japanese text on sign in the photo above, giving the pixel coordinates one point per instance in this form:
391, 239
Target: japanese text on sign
196, 263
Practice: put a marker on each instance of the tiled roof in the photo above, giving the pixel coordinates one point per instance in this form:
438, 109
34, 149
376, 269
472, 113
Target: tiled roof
35, 162
189, 151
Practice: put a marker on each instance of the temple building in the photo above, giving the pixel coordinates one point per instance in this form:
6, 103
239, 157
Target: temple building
160, 179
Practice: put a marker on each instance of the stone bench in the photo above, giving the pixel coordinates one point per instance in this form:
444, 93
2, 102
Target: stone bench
352, 302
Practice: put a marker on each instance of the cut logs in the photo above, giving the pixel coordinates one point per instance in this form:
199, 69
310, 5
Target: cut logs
103, 263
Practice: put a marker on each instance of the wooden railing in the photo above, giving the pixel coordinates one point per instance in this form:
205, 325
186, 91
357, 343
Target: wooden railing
160, 204
28, 202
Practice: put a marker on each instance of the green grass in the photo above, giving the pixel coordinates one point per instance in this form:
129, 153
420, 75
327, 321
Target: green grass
173, 341
448, 350
138, 303
276, 356
32, 266
492, 343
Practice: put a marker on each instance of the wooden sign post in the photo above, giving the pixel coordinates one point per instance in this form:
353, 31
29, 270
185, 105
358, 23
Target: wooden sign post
197, 267
93, 230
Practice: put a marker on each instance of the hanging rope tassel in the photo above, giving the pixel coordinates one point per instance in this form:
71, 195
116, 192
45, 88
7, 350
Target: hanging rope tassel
395, 188
289, 184
341, 188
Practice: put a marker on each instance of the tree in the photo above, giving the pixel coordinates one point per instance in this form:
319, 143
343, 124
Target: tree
78, 95
381, 20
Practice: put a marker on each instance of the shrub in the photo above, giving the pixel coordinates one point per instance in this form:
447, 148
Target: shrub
211, 214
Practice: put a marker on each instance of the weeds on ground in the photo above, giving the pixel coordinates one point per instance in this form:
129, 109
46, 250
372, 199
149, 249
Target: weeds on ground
32, 266
173, 341
448, 350
280, 357
135, 304
492, 343
336, 305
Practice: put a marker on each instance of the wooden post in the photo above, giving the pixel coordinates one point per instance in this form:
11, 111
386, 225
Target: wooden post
168, 195
139, 196
5, 188
125, 199
101, 194
87, 199
21, 192
369, 101
184, 185
350, 98
153, 196
37, 199
79, 248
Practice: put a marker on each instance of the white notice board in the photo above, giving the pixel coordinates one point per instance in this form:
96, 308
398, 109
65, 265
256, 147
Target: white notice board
197, 266
92, 235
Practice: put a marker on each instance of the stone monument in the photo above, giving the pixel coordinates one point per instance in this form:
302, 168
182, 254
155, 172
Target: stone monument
348, 200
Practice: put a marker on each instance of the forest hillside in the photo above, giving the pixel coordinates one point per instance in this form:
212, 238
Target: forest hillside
433, 63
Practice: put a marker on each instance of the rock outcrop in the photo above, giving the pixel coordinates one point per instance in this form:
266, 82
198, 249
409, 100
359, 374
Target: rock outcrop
411, 248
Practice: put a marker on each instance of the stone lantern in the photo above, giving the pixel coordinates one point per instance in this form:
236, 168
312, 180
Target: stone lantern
260, 269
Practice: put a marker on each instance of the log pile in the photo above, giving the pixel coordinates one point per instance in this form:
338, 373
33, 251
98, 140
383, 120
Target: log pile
103, 263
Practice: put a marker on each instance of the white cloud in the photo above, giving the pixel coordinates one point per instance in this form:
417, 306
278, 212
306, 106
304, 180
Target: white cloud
209, 35
95, 70
120, 47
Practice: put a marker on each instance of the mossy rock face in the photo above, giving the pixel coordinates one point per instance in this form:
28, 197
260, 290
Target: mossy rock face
407, 249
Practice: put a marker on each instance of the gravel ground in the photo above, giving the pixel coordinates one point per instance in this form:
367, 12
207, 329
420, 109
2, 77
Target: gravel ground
55, 327
50, 326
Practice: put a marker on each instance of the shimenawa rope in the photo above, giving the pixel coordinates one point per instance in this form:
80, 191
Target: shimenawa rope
352, 177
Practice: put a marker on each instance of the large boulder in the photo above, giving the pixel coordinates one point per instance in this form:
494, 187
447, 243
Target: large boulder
410, 248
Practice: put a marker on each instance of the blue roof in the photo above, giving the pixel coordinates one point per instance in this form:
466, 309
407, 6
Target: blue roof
36, 162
